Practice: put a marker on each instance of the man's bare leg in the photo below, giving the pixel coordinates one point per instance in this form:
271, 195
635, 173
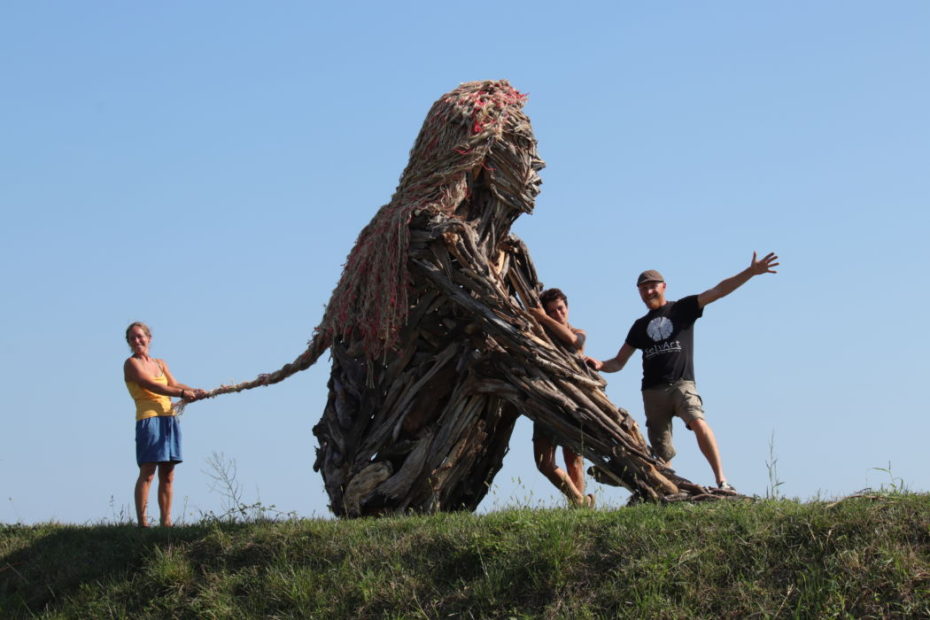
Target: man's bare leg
708, 445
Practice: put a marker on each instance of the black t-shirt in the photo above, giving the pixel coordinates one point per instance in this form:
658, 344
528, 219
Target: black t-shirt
666, 338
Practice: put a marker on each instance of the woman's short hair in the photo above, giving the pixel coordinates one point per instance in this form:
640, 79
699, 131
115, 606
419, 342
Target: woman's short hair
144, 327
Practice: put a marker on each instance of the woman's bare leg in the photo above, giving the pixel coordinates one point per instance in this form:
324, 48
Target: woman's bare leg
165, 491
143, 482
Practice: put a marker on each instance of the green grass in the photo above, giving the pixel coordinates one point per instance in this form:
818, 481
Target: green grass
860, 557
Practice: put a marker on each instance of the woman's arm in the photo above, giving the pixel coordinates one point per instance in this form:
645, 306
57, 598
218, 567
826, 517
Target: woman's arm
133, 370
187, 392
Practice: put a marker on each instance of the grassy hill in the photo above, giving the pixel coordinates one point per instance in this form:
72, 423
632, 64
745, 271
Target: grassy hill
861, 556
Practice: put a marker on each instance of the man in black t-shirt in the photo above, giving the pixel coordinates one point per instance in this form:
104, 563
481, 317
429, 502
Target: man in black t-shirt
665, 335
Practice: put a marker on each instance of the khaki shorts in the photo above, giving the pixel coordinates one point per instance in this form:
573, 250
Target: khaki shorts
664, 402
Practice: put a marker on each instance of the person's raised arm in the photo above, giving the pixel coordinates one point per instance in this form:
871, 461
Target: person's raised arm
755, 268
615, 363
572, 337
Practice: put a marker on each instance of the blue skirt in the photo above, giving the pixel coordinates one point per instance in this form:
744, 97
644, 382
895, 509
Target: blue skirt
158, 440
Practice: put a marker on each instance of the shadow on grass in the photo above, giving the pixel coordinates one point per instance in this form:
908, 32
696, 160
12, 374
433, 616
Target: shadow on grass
59, 560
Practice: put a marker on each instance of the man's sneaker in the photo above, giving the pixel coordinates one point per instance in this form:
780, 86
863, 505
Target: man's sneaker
725, 486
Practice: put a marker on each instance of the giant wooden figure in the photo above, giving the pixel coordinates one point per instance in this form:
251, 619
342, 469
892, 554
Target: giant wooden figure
434, 355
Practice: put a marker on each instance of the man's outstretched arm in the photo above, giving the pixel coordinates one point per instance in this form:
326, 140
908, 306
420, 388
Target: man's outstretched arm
615, 363
757, 267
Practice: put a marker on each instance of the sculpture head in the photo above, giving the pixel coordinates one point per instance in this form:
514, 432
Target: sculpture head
477, 129
474, 158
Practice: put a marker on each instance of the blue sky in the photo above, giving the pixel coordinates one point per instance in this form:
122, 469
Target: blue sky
205, 167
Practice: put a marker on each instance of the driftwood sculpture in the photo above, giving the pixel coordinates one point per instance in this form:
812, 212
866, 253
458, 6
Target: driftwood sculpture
434, 355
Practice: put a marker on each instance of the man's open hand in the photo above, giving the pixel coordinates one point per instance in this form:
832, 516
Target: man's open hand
765, 265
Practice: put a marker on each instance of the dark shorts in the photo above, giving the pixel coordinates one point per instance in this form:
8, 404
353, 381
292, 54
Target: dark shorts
158, 440
540, 432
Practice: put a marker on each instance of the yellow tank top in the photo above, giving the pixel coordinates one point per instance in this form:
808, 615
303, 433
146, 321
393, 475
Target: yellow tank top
149, 404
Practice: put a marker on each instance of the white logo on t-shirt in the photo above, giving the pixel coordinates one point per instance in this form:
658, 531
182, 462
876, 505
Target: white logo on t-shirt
659, 328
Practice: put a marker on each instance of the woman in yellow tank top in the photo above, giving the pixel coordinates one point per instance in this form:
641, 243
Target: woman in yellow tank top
158, 434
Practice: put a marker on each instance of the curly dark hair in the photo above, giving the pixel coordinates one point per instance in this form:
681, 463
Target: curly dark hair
552, 294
